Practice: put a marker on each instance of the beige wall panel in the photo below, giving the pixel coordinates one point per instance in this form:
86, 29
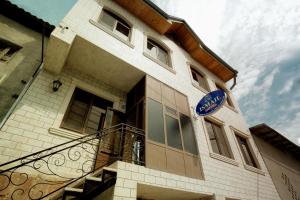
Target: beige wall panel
192, 166
182, 103
168, 95
153, 89
175, 162
155, 156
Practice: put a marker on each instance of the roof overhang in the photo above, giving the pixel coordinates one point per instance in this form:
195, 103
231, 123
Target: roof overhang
274, 138
165, 24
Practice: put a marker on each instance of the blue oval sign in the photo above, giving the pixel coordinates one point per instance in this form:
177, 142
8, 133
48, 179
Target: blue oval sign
210, 102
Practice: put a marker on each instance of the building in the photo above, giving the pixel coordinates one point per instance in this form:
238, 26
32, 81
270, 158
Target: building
118, 90
282, 158
21, 42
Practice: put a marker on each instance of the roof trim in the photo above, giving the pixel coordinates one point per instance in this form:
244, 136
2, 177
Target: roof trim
173, 18
276, 139
25, 18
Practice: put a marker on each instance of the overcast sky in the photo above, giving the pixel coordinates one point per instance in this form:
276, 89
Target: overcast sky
261, 39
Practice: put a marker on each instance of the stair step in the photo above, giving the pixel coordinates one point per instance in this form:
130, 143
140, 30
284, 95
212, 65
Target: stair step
75, 190
107, 169
92, 178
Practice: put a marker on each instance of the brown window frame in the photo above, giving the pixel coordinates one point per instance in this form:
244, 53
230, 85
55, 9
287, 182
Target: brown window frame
200, 78
118, 20
218, 139
252, 162
66, 114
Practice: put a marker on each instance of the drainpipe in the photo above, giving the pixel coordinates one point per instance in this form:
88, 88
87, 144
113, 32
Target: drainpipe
234, 82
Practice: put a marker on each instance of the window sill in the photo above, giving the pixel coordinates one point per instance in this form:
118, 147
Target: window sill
224, 159
103, 28
253, 169
159, 63
200, 88
65, 133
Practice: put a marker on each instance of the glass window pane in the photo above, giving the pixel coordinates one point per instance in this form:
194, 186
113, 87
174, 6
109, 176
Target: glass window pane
173, 132
188, 134
194, 74
107, 20
123, 30
248, 157
155, 121
221, 140
78, 109
151, 49
214, 146
162, 56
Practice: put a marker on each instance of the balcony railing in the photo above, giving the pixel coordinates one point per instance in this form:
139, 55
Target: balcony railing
44, 173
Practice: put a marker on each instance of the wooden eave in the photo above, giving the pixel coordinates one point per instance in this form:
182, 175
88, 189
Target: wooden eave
163, 24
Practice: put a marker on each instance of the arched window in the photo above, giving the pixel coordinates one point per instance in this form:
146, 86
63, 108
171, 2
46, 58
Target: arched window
116, 24
157, 52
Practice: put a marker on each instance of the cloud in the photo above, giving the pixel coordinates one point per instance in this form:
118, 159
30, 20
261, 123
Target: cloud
261, 39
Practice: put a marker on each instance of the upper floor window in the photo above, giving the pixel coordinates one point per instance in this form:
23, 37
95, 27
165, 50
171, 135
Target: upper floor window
228, 100
7, 50
199, 79
246, 151
217, 138
116, 24
157, 52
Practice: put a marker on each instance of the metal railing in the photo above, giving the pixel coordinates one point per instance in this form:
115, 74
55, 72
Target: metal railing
44, 173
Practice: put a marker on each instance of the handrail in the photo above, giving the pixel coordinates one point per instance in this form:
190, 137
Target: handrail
82, 152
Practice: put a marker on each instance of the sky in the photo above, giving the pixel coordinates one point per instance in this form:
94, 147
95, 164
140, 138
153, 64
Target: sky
51, 11
261, 39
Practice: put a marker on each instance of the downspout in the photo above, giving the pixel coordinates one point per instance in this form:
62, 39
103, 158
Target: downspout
26, 87
234, 81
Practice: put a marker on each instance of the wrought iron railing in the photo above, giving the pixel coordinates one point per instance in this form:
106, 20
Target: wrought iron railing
42, 174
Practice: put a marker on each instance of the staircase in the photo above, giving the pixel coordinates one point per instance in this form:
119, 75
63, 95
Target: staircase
91, 186
77, 169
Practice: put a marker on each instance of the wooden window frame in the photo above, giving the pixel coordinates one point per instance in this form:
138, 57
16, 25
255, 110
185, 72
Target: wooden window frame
231, 159
241, 134
217, 139
118, 19
81, 131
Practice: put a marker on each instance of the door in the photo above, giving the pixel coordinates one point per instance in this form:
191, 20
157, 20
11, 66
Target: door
109, 144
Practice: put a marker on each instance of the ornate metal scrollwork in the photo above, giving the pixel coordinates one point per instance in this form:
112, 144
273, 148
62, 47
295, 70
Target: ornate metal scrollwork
44, 173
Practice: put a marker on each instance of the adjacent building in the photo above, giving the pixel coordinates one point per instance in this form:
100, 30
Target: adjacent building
118, 89
282, 158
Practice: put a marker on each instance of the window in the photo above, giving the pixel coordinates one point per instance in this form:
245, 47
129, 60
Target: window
85, 113
116, 24
171, 124
199, 79
246, 152
7, 50
157, 52
228, 100
155, 121
217, 139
